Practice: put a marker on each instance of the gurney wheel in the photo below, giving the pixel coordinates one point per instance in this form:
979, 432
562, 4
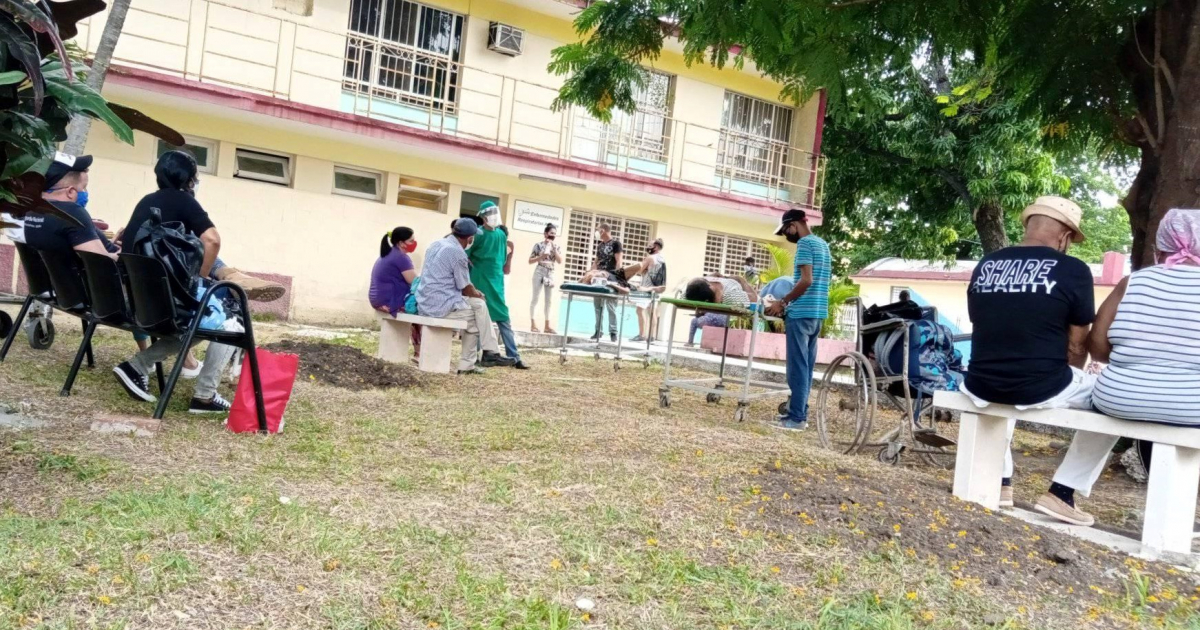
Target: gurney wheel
712, 399
739, 415
887, 457
596, 356
5, 323
664, 400
783, 406
562, 359
617, 365
41, 334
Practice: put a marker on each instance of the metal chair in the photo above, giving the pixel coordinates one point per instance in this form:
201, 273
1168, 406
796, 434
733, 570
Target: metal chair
71, 296
40, 290
106, 291
154, 312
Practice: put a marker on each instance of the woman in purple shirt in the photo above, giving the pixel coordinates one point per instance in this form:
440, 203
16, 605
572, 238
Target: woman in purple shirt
393, 275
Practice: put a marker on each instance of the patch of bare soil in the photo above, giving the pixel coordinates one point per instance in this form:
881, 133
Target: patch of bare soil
347, 367
921, 520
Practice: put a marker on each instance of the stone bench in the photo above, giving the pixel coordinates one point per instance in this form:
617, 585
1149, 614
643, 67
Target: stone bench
437, 335
1174, 474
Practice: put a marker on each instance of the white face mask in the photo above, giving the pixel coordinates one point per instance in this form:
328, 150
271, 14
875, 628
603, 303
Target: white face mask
492, 220
597, 235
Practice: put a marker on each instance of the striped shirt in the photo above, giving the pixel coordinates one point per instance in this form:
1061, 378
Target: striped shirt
445, 274
732, 293
1154, 369
814, 304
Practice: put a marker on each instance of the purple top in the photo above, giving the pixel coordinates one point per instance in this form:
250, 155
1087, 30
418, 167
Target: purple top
388, 286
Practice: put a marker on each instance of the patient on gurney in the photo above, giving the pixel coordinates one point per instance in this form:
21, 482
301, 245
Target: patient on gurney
619, 280
716, 289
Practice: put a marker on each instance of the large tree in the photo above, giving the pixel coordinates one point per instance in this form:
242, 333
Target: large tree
1123, 73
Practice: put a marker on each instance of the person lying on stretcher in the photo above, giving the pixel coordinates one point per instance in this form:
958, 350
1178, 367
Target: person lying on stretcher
619, 280
717, 289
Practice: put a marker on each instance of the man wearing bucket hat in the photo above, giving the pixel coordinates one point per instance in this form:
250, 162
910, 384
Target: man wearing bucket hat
1032, 307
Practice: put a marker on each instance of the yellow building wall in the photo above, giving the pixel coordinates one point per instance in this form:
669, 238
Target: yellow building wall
328, 242
950, 298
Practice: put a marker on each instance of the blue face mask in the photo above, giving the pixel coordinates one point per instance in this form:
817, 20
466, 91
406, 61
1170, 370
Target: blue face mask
81, 198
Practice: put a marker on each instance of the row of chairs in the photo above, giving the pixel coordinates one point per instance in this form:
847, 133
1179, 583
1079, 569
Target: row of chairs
132, 294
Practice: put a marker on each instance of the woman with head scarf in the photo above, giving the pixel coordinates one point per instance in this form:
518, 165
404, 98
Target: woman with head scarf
392, 277
1148, 333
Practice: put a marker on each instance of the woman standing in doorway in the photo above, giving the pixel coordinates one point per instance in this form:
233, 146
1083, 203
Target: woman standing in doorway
545, 256
392, 277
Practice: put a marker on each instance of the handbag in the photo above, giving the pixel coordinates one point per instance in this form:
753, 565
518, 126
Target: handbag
277, 373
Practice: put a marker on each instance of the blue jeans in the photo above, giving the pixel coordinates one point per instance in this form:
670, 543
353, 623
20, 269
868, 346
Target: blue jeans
778, 288
801, 358
509, 341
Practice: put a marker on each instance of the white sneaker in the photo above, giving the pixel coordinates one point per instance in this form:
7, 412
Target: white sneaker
235, 367
191, 374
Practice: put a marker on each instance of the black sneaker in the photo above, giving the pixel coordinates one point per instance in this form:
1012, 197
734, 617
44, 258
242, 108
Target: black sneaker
475, 371
612, 337
135, 383
491, 359
520, 365
597, 337
215, 405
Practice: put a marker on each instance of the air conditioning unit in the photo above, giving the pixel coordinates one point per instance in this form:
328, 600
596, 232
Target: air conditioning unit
505, 39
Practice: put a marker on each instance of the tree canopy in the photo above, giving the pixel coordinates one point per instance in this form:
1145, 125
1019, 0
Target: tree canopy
1119, 76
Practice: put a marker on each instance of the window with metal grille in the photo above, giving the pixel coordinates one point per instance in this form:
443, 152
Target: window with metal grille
725, 254
755, 139
635, 237
644, 134
404, 51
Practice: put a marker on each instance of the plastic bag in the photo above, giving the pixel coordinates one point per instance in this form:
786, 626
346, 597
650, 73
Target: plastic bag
277, 373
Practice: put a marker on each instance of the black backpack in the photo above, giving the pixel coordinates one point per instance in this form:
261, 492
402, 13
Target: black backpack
659, 279
180, 252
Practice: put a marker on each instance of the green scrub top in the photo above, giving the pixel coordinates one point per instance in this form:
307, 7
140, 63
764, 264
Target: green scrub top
487, 256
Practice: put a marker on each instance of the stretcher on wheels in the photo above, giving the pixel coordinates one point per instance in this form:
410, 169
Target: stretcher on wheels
599, 347
745, 389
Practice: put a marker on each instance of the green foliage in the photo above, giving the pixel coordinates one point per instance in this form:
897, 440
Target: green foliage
781, 264
838, 294
39, 93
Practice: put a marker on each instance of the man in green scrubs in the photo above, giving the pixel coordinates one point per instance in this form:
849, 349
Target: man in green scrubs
488, 255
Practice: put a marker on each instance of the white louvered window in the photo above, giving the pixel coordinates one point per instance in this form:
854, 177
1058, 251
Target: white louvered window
635, 237
726, 254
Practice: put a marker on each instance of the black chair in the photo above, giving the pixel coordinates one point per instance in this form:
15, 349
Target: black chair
71, 296
154, 312
106, 290
40, 290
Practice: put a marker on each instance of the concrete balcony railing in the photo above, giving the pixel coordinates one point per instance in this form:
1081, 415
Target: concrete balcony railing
216, 42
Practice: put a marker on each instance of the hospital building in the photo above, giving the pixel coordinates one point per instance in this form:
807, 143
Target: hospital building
319, 125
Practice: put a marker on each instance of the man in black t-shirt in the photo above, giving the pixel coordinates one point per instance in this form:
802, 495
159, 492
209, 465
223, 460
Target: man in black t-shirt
66, 190
1032, 306
608, 258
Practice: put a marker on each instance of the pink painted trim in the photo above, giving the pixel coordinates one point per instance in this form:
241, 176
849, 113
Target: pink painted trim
361, 125
820, 134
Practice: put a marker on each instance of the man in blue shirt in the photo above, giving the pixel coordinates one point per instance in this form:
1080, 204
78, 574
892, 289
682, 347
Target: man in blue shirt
804, 309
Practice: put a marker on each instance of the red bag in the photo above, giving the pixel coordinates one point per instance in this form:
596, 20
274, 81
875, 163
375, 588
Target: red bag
277, 372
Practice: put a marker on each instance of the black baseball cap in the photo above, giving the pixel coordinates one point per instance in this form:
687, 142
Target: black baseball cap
795, 214
64, 164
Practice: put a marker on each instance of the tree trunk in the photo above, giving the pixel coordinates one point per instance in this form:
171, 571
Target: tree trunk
1169, 176
77, 133
989, 223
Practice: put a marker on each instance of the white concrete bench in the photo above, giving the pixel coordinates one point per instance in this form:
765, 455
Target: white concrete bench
1174, 473
395, 333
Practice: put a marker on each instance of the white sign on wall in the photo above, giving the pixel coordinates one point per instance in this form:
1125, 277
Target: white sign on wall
533, 217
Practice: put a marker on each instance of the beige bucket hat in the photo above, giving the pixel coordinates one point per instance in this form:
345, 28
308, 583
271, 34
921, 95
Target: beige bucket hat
1062, 210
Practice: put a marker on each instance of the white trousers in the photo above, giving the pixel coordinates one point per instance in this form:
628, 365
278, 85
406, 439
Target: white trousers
479, 332
1088, 453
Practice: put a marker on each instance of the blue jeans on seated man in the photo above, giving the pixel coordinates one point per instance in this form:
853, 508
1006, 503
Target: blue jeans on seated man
802, 335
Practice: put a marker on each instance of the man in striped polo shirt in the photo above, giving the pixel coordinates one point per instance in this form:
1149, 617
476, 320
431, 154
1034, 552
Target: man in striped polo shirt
806, 306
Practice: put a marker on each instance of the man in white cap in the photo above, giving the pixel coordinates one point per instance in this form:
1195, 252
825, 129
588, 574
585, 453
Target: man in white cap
1032, 307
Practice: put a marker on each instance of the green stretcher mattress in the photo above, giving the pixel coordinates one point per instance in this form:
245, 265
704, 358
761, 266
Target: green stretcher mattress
708, 307
575, 287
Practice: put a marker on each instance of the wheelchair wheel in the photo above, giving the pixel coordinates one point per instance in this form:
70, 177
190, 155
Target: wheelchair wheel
41, 334
6, 324
845, 411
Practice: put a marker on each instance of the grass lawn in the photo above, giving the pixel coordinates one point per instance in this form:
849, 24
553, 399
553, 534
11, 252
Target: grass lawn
501, 500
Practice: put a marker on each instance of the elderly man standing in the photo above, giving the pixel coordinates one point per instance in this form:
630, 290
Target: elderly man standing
446, 291
488, 255
1032, 307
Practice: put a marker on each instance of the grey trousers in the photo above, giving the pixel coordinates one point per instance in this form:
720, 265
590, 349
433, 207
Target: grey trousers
609, 304
210, 375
